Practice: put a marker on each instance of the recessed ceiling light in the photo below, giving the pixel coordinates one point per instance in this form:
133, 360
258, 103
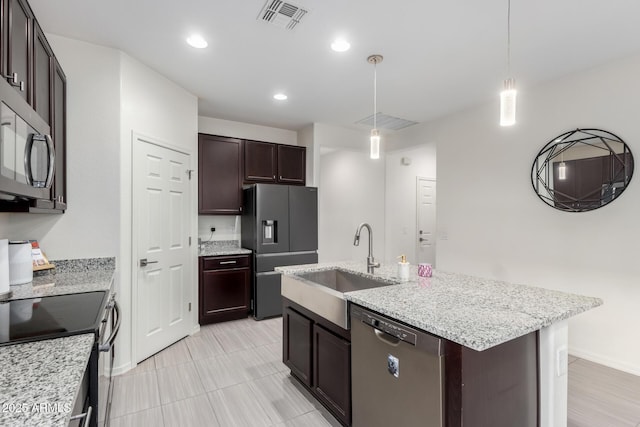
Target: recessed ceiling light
280, 96
340, 45
196, 40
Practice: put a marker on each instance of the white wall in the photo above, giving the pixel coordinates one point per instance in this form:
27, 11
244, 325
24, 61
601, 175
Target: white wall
351, 191
492, 224
88, 227
305, 138
242, 130
400, 194
154, 107
227, 227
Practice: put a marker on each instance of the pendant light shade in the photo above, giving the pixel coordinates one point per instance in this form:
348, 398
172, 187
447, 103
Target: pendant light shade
562, 171
375, 144
508, 103
374, 140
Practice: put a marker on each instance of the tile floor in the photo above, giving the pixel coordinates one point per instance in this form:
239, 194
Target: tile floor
228, 374
231, 374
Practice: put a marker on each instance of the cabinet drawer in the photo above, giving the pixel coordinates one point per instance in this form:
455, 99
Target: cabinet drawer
231, 261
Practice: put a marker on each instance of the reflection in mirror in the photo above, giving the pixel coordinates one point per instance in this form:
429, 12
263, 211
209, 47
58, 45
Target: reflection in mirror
582, 170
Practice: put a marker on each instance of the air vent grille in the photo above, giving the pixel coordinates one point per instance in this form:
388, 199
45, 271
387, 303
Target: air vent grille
384, 121
282, 14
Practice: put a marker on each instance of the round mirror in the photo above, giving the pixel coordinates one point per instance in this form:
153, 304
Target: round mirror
582, 170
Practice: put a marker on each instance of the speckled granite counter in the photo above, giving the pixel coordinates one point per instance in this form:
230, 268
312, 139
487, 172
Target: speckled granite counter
39, 381
64, 283
222, 247
474, 312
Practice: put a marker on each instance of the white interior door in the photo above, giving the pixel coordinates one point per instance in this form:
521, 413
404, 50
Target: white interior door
426, 215
161, 224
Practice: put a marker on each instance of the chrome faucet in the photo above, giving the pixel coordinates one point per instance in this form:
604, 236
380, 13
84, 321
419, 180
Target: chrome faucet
371, 263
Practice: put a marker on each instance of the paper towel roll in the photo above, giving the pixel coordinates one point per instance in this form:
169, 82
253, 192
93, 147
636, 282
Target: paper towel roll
4, 266
20, 263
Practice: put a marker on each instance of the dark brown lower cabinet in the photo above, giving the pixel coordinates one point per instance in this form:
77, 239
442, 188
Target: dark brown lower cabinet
225, 284
319, 356
331, 366
297, 356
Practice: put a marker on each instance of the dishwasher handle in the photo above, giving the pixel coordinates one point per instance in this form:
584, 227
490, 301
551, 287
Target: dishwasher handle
386, 338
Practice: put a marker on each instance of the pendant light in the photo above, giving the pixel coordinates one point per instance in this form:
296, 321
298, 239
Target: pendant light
562, 167
508, 94
375, 134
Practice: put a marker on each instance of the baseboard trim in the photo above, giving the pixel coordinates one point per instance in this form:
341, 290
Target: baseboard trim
611, 363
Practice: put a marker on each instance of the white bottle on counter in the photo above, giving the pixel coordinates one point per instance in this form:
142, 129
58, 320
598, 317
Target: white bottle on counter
403, 268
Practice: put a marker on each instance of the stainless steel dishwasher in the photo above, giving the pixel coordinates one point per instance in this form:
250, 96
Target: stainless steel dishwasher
397, 373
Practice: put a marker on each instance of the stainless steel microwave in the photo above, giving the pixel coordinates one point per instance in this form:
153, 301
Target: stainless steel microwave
27, 154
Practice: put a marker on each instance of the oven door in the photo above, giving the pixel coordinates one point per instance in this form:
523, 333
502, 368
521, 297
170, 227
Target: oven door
106, 348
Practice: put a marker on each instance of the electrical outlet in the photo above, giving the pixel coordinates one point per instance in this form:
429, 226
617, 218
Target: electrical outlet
562, 360
213, 229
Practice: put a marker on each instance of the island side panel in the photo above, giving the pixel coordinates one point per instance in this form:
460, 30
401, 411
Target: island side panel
554, 354
497, 387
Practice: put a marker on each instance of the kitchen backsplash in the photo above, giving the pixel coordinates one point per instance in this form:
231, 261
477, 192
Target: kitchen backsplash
227, 227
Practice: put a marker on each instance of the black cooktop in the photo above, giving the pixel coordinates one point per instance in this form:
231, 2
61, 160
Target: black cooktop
34, 319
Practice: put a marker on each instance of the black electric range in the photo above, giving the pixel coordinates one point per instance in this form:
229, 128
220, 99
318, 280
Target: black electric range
33, 319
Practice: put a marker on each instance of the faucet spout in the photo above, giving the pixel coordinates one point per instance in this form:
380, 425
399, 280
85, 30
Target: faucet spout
371, 262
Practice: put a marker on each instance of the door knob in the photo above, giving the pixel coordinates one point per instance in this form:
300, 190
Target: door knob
144, 262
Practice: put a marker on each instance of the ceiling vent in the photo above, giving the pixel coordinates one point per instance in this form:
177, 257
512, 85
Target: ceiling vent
384, 121
282, 14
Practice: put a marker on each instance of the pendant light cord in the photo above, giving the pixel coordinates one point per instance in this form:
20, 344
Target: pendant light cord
375, 94
508, 38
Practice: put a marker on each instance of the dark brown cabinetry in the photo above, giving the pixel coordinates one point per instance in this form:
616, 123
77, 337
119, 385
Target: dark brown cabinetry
59, 134
29, 66
42, 61
274, 163
224, 291
260, 162
18, 21
220, 176
589, 183
291, 164
297, 355
319, 355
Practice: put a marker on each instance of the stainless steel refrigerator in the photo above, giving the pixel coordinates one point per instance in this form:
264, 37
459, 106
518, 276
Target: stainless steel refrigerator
280, 225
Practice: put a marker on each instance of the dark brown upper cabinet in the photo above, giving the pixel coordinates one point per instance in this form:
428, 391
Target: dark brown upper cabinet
219, 175
42, 75
18, 47
291, 164
274, 163
59, 135
260, 162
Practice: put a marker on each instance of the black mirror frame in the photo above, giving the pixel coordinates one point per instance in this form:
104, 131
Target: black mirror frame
553, 148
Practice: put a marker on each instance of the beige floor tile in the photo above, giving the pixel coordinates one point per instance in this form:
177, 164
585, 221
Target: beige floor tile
230, 369
272, 356
236, 406
179, 382
203, 346
193, 412
234, 340
173, 355
599, 395
134, 393
314, 419
281, 399
144, 366
150, 417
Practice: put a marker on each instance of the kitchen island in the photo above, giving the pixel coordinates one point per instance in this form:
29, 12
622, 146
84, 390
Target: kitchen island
478, 315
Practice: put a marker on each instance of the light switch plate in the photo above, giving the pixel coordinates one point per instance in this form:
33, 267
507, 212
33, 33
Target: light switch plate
562, 361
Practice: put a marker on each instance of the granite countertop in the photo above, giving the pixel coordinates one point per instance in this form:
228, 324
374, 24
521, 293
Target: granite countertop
222, 247
64, 283
475, 312
40, 380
